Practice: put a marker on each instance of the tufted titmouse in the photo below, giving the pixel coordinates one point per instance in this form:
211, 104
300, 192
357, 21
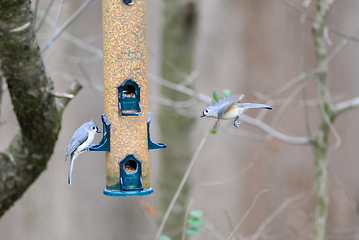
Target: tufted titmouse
228, 108
81, 141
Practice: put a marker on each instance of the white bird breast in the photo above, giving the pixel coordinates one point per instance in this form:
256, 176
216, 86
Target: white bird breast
233, 112
86, 144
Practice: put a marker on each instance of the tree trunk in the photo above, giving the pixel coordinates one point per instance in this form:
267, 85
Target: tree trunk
37, 111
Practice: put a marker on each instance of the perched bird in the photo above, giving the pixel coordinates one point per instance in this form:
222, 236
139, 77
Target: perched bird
229, 107
81, 141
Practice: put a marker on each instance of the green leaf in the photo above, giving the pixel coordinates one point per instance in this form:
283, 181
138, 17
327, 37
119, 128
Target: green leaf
196, 213
192, 230
213, 131
216, 96
226, 93
195, 221
163, 237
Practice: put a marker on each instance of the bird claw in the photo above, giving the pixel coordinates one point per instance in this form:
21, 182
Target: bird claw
88, 149
237, 123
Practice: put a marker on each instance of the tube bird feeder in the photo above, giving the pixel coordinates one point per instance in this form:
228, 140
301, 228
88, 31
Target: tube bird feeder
126, 134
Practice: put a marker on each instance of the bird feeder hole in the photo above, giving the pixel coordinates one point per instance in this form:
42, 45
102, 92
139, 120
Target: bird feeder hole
130, 166
131, 174
129, 98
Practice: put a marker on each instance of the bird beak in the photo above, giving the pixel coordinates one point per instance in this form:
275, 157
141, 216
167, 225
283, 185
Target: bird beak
202, 115
98, 131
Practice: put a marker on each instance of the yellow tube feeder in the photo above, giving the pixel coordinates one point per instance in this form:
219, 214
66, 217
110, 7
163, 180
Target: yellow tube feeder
126, 138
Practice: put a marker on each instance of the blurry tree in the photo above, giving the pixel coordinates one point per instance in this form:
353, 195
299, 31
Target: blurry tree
178, 43
329, 111
38, 110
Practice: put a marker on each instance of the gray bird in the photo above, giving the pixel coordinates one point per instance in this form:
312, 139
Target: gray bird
81, 141
229, 107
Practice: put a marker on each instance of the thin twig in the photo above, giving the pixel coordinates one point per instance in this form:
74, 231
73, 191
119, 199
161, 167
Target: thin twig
213, 231
179, 88
76, 41
66, 24
246, 134
342, 188
38, 26
338, 48
276, 212
88, 79
185, 218
301, 77
53, 32
179, 189
35, 12
168, 63
332, 29
190, 78
246, 214
73, 90
229, 222
273, 132
286, 103
329, 123
176, 104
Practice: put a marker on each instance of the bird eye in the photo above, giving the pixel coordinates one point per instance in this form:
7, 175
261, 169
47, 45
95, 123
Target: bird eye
206, 111
93, 128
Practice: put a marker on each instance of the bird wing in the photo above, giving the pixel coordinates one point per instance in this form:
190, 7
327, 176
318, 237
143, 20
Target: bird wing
226, 103
77, 139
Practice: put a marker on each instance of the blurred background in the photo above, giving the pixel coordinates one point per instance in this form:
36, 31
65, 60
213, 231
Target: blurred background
252, 47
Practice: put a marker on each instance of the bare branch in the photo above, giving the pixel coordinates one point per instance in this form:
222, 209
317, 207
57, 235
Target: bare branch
346, 105
276, 212
44, 15
72, 91
246, 214
54, 30
35, 11
273, 132
332, 29
179, 189
77, 42
322, 65
176, 104
66, 24
185, 219
300, 78
179, 88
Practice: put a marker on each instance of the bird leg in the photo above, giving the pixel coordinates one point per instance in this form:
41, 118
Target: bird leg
216, 125
237, 122
88, 149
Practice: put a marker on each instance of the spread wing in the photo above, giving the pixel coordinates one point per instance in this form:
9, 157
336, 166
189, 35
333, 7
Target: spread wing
226, 103
77, 139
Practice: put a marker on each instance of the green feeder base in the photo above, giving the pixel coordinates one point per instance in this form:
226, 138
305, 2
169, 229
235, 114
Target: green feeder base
127, 193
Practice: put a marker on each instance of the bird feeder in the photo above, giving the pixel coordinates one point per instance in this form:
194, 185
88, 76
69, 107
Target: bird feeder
126, 122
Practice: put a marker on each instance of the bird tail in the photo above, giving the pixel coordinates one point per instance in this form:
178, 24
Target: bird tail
254, 105
71, 167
